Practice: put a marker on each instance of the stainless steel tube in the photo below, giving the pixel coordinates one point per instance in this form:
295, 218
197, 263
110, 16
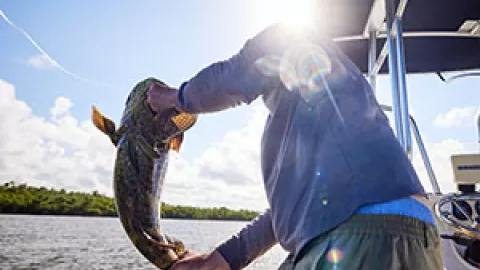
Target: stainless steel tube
393, 68
372, 58
402, 83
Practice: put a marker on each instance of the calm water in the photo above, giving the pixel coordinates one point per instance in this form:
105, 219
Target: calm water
59, 242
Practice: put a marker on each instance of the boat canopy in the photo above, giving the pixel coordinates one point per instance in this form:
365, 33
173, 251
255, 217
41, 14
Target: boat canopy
439, 35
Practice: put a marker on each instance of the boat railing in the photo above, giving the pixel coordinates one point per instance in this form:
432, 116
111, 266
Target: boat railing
422, 149
478, 129
394, 48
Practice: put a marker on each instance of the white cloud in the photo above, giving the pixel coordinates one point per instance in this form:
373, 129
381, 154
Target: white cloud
439, 154
226, 174
456, 117
61, 107
41, 62
62, 152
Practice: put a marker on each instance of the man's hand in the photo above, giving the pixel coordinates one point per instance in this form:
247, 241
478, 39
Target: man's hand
161, 97
210, 261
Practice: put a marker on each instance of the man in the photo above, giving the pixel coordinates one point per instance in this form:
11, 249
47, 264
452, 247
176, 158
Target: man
342, 193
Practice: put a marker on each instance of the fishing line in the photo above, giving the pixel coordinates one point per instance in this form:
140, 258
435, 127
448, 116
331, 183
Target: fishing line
44, 53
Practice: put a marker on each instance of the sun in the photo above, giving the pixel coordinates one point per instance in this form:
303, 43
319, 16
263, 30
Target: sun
295, 13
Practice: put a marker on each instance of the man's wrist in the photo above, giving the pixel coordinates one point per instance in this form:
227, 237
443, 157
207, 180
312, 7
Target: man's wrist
231, 254
180, 98
219, 261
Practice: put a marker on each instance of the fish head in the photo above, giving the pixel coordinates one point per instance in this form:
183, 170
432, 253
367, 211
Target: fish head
163, 131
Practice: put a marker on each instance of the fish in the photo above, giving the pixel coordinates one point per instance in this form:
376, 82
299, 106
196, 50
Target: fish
144, 140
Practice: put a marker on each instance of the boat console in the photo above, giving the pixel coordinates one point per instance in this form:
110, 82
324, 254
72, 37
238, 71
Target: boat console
459, 213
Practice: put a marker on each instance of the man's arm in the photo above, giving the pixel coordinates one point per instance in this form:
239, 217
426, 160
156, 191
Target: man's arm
229, 83
237, 252
224, 84
250, 243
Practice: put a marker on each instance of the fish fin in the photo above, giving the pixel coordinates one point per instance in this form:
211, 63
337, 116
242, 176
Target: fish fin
176, 142
184, 121
104, 124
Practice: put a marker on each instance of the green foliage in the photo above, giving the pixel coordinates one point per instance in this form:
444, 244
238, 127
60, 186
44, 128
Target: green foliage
40, 200
23, 199
222, 213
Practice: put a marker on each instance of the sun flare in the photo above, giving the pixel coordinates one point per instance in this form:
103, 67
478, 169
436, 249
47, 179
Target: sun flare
296, 13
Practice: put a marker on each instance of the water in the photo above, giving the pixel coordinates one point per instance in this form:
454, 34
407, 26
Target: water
62, 242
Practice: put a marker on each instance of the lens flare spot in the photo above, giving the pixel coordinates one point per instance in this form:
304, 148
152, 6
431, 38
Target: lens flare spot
334, 255
325, 201
318, 173
304, 68
269, 66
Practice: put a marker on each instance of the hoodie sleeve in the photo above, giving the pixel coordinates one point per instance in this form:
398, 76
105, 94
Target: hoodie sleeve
237, 80
250, 243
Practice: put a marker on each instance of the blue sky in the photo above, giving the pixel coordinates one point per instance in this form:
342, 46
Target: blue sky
118, 43
121, 42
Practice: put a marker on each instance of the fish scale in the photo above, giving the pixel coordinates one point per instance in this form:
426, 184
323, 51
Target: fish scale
143, 142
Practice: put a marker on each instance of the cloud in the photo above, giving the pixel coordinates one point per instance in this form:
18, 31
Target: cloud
456, 117
439, 154
62, 106
236, 157
63, 152
41, 62
226, 174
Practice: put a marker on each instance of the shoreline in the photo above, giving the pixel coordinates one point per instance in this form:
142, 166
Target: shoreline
21, 199
114, 217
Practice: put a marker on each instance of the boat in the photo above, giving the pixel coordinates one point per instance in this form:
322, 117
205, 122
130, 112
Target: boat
439, 37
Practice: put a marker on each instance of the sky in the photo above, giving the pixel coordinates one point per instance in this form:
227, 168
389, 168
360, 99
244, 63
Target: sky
101, 49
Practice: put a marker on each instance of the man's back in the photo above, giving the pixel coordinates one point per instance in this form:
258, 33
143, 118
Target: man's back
326, 153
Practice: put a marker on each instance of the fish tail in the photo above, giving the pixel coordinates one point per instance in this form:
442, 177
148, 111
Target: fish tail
176, 142
104, 124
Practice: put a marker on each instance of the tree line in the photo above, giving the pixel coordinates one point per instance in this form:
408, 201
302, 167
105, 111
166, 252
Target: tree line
23, 199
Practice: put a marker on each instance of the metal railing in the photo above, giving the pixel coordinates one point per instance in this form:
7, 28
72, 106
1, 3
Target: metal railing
394, 48
423, 150
478, 127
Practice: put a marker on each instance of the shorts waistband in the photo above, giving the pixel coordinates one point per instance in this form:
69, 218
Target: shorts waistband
408, 207
386, 223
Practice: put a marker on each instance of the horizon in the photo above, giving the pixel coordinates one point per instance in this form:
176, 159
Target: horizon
97, 52
95, 193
